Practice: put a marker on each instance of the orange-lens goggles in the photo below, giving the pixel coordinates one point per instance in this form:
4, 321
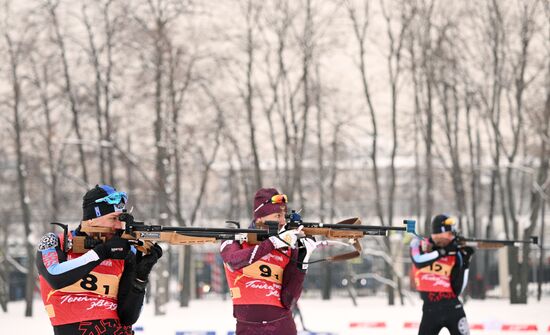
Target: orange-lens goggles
279, 199
449, 222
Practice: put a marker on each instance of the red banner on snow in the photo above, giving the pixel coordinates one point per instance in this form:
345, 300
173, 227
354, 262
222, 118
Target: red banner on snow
520, 328
367, 325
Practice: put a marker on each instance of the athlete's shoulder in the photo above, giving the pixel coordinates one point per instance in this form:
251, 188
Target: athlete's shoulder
233, 244
48, 241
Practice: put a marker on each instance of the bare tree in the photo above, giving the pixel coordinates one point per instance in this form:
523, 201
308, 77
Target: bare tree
111, 27
539, 195
51, 7
333, 176
97, 93
17, 48
448, 89
393, 60
544, 141
427, 66
360, 26
42, 78
251, 16
307, 42
5, 268
474, 154
527, 29
417, 93
159, 19
541, 184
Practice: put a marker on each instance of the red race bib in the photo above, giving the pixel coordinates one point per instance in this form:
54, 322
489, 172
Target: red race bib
435, 277
260, 283
94, 297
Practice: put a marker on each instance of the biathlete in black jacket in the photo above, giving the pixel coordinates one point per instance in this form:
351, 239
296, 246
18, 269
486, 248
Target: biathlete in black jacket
102, 290
440, 273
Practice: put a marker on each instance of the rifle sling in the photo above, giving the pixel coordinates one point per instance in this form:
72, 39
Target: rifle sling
348, 255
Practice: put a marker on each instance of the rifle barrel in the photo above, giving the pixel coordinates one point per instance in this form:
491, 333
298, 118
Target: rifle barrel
505, 242
190, 230
347, 226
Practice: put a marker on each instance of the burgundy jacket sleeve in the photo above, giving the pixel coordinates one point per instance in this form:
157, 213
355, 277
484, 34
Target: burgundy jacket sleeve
236, 257
293, 282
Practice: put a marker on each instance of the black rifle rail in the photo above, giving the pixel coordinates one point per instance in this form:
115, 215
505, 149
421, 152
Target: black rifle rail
344, 226
217, 233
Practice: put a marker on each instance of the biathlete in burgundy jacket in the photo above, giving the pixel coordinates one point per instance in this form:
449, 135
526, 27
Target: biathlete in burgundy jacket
102, 290
266, 279
440, 274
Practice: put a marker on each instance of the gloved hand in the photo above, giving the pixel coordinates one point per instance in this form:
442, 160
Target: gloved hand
467, 253
286, 238
146, 263
427, 245
306, 246
449, 248
114, 248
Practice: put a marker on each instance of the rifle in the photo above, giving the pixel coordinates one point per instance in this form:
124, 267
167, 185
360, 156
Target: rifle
482, 243
143, 236
492, 244
350, 229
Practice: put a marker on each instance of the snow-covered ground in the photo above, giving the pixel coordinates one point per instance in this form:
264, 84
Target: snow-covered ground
372, 316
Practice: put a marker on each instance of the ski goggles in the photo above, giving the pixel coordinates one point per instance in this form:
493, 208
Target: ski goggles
448, 225
449, 222
115, 198
276, 199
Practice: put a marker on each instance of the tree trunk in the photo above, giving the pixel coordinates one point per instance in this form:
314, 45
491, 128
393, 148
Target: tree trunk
393, 61
428, 196
417, 202
22, 173
42, 84
537, 199
187, 279
109, 38
161, 157
540, 277
250, 18
474, 158
188, 269
326, 271
94, 59
69, 91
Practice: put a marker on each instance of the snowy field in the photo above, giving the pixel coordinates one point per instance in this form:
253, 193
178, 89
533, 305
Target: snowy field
336, 316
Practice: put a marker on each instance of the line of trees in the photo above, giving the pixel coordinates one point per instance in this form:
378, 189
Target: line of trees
380, 109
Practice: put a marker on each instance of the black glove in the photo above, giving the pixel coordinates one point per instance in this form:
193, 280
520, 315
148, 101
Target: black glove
451, 247
467, 253
114, 248
145, 264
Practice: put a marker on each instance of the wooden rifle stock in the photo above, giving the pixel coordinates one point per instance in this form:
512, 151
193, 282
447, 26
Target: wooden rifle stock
493, 244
